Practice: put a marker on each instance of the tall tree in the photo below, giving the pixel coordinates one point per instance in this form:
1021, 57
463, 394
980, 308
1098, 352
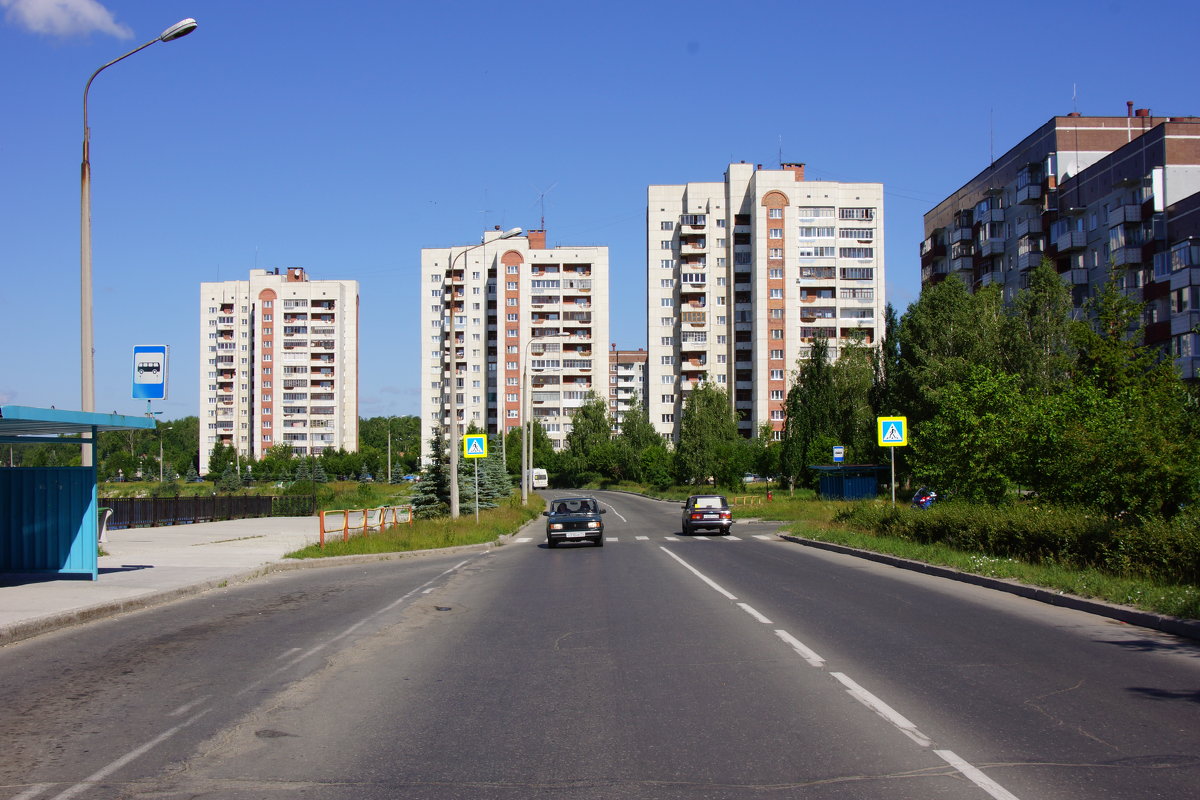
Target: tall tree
709, 444
811, 416
1039, 345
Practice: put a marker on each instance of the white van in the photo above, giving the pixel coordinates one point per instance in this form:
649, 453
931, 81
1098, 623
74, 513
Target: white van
538, 478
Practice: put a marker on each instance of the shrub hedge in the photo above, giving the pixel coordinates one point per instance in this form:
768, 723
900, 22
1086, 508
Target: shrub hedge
1166, 550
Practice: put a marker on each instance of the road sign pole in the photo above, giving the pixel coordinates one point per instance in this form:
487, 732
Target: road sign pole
477, 491
893, 454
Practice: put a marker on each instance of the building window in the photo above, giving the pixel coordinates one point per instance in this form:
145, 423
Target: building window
666, 225
776, 374
856, 252
665, 244
775, 213
775, 233
668, 302
667, 263
856, 213
668, 360
668, 417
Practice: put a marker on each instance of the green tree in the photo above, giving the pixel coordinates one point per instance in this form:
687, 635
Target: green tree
431, 494
1039, 345
588, 454
709, 444
810, 417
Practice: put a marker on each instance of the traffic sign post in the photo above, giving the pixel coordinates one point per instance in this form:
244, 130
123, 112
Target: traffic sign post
892, 432
474, 445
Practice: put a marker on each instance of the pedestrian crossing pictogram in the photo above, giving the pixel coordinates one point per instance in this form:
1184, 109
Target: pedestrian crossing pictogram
893, 431
474, 446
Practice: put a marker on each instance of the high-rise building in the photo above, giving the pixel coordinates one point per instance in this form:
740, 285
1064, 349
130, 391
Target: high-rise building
1092, 194
626, 382
278, 364
744, 274
525, 315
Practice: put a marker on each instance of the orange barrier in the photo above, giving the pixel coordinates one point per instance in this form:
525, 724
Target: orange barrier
747, 500
363, 520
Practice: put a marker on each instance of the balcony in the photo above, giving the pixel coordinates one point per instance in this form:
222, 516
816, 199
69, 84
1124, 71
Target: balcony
991, 215
992, 247
960, 235
1126, 256
693, 317
1123, 214
1071, 240
1029, 225
1029, 260
986, 279
1029, 194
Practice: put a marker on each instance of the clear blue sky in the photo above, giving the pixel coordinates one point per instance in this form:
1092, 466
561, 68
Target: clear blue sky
344, 137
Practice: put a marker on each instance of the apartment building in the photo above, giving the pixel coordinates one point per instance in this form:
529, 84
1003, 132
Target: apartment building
744, 274
527, 319
626, 381
278, 364
1092, 194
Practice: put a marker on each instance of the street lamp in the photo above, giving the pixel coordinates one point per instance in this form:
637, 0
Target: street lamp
86, 346
526, 413
453, 356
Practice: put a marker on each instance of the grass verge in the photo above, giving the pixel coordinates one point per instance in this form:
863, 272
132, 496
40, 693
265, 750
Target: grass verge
1145, 594
431, 534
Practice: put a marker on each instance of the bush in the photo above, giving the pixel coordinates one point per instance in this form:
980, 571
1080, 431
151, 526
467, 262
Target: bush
1166, 550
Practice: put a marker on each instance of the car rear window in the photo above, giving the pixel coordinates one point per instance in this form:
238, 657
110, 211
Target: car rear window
709, 502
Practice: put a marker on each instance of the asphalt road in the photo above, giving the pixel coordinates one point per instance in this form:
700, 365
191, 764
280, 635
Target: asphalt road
659, 666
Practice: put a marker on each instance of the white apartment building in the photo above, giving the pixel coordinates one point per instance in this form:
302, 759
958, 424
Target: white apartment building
524, 315
743, 275
626, 382
278, 364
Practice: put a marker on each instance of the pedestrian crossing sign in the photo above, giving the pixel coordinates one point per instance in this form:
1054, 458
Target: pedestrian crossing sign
474, 445
893, 431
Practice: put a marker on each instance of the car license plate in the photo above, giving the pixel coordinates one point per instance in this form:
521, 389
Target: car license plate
575, 535
710, 516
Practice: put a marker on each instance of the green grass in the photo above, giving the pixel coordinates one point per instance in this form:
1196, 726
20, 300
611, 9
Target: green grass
431, 534
1142, 593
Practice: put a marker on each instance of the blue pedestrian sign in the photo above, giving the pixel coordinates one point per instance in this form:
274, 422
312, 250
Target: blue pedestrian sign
893, 431
474, 445
839, 454
150, 371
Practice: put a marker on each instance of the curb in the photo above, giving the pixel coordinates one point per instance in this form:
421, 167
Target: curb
35, 627
1189, 629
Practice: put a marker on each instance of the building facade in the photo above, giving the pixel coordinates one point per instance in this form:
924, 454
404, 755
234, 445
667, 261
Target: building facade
1097, 196
743, 275
278, 364
530, 326
626, 382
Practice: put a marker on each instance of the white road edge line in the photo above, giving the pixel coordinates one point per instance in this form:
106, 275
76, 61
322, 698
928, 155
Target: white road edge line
976, 776
113, 766
33, 791
618, 513
883, 709
808, 655
698, 574
755, 614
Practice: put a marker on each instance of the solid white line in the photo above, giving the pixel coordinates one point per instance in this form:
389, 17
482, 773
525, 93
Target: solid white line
179, 712
755, 614
697, 573
33, 791
975, 776
642, 538
883, 709
808, 655
618, 513
112, 767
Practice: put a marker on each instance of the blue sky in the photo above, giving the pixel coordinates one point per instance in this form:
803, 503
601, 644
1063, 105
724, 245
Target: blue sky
344, 137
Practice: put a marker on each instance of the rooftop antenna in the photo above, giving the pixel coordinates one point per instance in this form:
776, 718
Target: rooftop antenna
781, 151
991, 138
485, 209
542, 201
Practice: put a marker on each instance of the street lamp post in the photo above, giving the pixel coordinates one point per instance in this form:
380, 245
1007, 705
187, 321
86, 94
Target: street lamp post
526, 422
86, 344
453, 377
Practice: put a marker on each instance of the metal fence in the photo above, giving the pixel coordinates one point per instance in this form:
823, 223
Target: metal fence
144, 512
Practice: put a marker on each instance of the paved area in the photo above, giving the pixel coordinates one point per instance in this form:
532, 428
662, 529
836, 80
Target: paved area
145, 566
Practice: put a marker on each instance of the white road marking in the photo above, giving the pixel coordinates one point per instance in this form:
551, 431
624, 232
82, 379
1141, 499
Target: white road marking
883, 709
525, 539
701, 538
755, 614
179, 712
33, 791
808, 655
618, 513
975, 776
113, 766
671, 539
732, 538
642, 538
698, 574
763, 536
611, 539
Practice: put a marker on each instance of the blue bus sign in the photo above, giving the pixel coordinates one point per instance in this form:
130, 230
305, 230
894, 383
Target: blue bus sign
839, 454
150, 371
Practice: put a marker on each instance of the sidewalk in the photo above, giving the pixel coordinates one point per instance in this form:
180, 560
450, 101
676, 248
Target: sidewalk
147, 566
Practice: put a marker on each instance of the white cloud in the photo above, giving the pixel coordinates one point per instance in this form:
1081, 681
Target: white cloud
64, 17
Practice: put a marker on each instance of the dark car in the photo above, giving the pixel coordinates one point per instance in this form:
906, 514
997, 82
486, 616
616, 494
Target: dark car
574, 519
707, 512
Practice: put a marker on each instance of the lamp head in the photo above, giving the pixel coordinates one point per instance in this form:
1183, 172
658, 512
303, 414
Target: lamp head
179, 29
510, 233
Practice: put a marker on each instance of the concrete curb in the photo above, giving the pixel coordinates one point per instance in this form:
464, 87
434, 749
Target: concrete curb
1186, 628
35, 627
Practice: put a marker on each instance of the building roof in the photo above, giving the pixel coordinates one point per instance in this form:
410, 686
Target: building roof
28, 421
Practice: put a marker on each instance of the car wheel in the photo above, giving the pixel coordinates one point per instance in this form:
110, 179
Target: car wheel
551, 543
600, 542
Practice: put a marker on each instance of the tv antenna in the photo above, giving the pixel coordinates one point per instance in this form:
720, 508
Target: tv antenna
542, 201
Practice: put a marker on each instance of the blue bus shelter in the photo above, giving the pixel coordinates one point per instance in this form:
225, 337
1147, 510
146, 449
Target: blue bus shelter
48, 515
849, 481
